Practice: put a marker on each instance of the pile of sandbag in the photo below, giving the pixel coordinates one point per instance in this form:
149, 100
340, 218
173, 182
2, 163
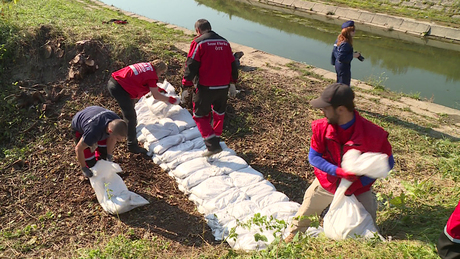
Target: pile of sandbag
223, 187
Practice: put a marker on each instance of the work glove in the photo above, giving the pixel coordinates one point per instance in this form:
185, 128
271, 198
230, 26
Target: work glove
232, 91
87, 172
174, 100
109, 157
346, 175
186, 96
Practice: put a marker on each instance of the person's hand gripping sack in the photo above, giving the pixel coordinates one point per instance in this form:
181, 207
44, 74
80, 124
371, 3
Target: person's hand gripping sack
346, 175
173, 100
232, 91
186, 96
87, 172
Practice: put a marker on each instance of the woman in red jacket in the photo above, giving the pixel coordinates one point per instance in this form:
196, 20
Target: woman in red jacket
131, 83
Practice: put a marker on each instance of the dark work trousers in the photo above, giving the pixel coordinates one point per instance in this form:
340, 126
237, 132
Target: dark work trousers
127, 108
343, 71
205, 100
92, 157
446, 248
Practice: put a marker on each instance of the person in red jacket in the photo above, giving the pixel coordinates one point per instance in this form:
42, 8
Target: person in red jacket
342, 129
131, 83
211, 64
449, 241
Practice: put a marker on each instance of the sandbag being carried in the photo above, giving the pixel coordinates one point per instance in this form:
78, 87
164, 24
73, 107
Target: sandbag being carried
111, 191
347, 217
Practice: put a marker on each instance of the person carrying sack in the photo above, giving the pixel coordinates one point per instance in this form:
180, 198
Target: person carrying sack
341, 130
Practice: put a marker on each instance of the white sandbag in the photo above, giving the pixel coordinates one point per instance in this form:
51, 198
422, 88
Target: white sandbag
347, 217
236, 211
160, 146
224, 160
175, 151
212, 187
191, 133
183, 119
265, 199
197, 152
258, 188
203, 174
158, 130
281, 210
374, 165
111, 191
224, 199
246, 176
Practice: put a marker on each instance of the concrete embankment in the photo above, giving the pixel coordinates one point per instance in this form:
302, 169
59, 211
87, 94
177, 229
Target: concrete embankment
384, 21
254, 58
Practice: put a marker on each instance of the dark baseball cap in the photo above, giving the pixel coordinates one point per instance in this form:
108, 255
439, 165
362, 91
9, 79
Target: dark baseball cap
348, 24
334, 95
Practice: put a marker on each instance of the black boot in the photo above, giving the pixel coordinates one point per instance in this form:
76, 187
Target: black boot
136, 149
212, 145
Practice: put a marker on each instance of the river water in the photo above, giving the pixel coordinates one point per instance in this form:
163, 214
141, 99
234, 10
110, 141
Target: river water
402, 63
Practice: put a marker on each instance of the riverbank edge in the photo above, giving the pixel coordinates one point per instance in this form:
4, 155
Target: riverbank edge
384, 21
258, 59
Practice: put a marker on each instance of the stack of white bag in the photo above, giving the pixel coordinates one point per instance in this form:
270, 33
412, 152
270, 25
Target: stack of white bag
111, 191
223, 187
347, 217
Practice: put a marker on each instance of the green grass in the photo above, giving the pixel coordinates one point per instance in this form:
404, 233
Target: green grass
442, 16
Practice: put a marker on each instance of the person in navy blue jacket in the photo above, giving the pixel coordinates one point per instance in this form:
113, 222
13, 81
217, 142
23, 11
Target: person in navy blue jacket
342, 53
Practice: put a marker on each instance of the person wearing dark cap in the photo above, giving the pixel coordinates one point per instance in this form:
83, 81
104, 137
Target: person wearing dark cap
342, 129
342, 53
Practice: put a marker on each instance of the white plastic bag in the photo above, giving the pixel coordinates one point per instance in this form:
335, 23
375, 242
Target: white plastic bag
347, 217
370, 164
111, 191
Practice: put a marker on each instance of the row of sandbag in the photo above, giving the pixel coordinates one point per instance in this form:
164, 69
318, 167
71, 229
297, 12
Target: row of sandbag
223, 187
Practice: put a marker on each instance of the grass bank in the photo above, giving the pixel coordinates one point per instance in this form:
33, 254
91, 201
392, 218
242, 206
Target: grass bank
430, 11
48, 210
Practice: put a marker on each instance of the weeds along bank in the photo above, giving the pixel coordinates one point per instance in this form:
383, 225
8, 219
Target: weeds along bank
48, 211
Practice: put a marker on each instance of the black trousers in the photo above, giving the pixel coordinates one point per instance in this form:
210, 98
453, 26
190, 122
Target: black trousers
127, 108
446, 248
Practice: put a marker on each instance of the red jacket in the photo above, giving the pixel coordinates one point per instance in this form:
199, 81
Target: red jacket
366, 137
137, 79
452, 229
210, 58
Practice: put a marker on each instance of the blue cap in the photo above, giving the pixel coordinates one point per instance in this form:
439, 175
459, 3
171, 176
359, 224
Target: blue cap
348, 24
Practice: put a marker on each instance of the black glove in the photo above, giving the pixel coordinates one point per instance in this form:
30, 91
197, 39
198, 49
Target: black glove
186, 96
87, 172
109, 157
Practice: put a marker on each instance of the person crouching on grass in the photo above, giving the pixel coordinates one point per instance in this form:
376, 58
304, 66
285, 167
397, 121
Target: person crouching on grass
96, 132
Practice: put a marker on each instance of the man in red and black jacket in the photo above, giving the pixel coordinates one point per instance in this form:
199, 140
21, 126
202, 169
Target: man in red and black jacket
342, 129
211, 64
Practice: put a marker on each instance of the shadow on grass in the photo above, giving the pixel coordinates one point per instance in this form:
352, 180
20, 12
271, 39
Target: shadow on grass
421, 130
424, 223
169, 221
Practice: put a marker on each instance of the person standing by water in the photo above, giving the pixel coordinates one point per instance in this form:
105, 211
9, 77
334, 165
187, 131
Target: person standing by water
342, 53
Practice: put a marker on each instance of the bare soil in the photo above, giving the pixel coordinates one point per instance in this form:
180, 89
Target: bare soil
47, 205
